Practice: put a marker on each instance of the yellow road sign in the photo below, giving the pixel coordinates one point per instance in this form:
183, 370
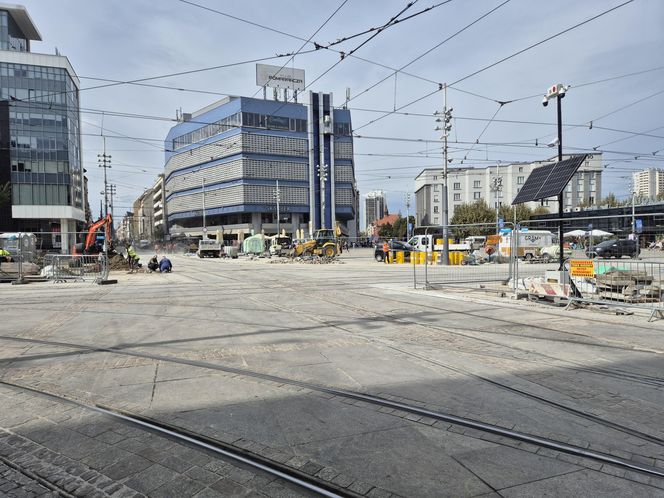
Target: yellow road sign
582, 268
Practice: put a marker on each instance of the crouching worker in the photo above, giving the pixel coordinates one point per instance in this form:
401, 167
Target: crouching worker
165, 265
153, 264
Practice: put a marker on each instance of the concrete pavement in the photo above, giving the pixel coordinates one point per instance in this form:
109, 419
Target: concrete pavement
580, 377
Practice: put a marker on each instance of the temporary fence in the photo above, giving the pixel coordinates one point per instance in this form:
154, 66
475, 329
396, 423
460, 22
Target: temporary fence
622, 283
35, 254
467, 266
76, 267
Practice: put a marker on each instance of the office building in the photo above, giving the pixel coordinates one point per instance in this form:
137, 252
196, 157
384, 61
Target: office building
225, 162
159, 208
375, 207
467, 185
143, 222
40, 149
648, 183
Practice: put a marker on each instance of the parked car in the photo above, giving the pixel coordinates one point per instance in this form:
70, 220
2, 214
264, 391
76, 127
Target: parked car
551, 253
616, 248
395, 245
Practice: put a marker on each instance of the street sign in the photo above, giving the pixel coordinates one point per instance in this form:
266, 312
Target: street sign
204, 229
501, 222
581, 268
638, 223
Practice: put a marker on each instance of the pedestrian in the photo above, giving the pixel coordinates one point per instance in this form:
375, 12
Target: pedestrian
165, 265
153, 264
386, 252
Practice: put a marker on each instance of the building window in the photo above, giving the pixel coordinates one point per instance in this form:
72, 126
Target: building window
591, 200
435, 199
435, 178
477, 184
457, 197
520, 169
519, 180
435, 209
435, 220
477, 195
457, 186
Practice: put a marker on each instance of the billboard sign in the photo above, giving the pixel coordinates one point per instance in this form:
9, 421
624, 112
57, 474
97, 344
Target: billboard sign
280, 77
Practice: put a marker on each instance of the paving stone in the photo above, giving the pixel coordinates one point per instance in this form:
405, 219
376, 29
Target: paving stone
202, 476
177, 464
180, 488
227, 487
127, 467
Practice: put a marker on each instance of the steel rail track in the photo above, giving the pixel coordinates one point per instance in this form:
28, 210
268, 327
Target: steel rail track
259, 462
379, 401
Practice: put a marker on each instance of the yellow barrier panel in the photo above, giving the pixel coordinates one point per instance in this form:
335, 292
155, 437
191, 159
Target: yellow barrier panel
434, 258
400, 258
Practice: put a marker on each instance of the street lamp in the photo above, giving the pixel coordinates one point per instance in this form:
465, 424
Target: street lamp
558, 92
322, 174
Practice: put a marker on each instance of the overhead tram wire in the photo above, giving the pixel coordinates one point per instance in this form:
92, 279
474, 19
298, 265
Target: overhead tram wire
316, 45
307, 41
427, 52
344, 55
504, 59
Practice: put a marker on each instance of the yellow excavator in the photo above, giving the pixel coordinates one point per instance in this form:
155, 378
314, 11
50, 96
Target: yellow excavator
324, 243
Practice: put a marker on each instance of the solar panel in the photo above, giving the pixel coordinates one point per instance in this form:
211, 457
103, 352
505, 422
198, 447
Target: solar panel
549, 180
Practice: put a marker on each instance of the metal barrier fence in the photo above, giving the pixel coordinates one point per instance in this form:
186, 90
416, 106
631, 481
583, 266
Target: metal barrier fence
467, 266
76, 267
623, 283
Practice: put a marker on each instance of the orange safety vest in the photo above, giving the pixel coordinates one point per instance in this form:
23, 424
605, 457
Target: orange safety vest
386, 247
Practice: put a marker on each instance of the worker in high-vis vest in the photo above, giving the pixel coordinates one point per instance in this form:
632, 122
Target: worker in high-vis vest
386, 252
5, 256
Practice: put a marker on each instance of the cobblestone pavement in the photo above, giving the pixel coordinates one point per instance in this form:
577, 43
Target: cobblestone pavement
357, 325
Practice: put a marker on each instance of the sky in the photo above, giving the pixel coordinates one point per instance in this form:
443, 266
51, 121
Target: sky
128, 40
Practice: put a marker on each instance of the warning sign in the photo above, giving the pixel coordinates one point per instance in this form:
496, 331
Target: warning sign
582, 268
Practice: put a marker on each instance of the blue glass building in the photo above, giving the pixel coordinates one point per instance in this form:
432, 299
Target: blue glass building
227, 158
40, 142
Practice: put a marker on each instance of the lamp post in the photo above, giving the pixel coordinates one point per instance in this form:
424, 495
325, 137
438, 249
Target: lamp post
407, 216
204, 225
277, 196
558, 92
322, 174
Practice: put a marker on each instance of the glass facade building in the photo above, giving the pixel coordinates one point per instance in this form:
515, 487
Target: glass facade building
230, 158
40, 152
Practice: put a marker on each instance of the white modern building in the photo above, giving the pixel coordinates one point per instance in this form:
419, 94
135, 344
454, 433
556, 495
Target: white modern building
648, 183
467, 185
40, 155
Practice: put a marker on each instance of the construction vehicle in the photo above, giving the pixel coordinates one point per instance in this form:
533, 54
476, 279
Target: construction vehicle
209, 248
280, 245
90, 245
324, 243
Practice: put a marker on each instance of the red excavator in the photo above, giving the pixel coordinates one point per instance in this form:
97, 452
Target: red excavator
90, 246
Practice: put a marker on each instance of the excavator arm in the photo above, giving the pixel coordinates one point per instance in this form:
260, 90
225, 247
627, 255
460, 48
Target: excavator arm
90, 238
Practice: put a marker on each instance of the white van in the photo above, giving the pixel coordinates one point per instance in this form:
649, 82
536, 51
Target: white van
434, 242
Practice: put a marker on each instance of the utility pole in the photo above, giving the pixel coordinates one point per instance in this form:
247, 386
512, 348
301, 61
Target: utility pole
497, 187
104, 161
110, 191
407, 215
447, 126
277, 196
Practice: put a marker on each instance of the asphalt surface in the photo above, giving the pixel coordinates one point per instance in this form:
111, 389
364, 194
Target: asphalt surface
585, 378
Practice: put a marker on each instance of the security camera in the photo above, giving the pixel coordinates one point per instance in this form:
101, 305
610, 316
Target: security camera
553, 142
545, 102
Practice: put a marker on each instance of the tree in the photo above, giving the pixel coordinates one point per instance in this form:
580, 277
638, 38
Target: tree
400, 227
473, 213
523, 213
386, 230
610, 201
5, 194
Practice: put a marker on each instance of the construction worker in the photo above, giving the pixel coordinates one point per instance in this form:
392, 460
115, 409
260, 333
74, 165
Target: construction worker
153, 264
165, 265
5, 256
132, 257
386, 252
